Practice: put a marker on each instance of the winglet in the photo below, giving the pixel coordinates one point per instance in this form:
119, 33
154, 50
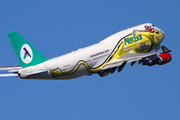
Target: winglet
165, 49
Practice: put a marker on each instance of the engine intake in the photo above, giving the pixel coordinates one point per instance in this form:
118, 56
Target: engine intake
164, 58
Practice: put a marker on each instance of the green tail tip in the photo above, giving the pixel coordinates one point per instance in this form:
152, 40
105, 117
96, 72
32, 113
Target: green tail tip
26, 53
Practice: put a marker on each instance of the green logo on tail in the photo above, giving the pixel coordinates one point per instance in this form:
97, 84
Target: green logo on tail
26, 53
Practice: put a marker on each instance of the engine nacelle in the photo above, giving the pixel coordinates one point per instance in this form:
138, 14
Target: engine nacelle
148, 62
160, 59
164, 58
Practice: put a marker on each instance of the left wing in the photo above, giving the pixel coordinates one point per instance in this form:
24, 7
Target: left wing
12, 70
128, 57
160, 58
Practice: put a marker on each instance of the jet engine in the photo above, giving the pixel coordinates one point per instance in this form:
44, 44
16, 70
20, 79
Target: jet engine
160, 59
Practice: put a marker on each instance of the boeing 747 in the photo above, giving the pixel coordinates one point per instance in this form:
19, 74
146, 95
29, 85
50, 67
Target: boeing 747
111, 54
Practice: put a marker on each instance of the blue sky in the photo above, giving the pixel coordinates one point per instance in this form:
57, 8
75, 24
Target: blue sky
57, 27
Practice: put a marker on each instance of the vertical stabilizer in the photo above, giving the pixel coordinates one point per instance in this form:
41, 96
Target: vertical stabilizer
26, 53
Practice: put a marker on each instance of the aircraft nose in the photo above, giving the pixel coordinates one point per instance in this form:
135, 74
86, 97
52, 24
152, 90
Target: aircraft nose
163, 34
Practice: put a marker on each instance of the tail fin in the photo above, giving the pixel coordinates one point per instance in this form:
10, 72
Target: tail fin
26, 53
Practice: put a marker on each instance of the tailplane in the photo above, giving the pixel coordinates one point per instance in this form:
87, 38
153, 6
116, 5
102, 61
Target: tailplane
26, 53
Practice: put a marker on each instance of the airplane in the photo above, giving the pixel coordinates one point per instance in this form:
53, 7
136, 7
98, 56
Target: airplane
104, 58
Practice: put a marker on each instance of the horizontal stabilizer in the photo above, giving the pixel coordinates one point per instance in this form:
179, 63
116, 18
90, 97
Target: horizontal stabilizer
12, 70
8, 74
10, 67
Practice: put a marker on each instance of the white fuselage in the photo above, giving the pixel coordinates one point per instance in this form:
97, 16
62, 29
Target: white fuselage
94, 55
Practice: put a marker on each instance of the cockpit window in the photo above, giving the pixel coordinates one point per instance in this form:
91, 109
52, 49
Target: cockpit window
149, 29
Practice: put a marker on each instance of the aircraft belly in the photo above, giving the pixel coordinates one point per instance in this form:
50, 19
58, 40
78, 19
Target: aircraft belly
82, 70
42, 75
47, 75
